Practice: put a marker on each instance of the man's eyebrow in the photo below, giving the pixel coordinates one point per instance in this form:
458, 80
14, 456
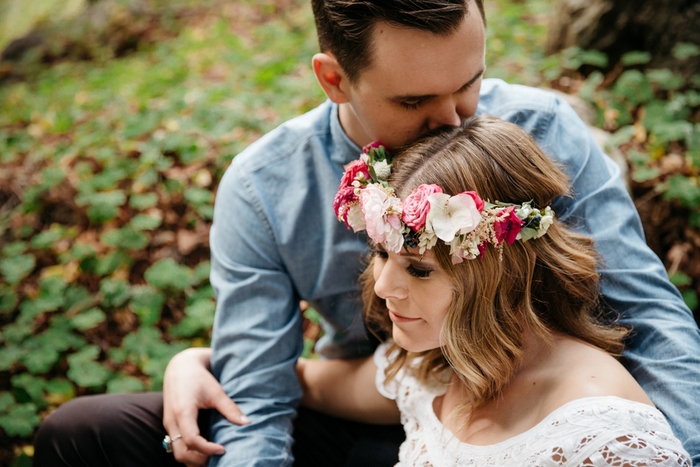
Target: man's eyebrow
409, 97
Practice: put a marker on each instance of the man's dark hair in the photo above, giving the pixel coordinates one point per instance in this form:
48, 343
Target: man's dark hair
345, 27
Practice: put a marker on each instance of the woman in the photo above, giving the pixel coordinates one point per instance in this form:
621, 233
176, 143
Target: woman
496, 354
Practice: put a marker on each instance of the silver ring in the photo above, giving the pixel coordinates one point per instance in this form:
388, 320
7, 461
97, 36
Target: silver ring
168, 442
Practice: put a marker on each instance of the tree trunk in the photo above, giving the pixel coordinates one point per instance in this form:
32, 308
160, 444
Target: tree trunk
618, 26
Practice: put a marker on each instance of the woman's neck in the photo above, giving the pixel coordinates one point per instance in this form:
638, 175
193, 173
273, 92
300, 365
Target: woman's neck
513, 411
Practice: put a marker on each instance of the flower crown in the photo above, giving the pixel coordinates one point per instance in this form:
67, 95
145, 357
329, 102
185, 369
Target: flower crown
365, 201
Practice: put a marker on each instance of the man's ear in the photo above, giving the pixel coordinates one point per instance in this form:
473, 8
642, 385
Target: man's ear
330, 76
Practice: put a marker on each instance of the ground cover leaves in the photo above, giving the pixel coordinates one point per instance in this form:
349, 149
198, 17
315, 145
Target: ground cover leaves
108, 173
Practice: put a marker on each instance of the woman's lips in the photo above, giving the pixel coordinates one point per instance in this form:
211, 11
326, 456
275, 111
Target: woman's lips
401, 319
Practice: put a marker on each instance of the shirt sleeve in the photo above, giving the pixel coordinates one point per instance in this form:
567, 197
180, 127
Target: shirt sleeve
639, 449
257, 334
663, 351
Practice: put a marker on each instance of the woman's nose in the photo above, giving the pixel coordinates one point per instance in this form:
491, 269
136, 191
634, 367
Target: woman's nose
388, 281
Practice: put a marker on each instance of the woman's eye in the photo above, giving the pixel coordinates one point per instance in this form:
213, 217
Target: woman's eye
420, 273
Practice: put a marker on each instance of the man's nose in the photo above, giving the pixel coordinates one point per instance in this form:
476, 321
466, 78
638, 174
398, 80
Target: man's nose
446, 113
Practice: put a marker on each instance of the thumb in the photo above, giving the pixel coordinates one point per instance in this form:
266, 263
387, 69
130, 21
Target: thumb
226, 407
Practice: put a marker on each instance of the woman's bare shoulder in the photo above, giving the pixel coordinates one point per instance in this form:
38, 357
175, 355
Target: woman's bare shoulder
580, 370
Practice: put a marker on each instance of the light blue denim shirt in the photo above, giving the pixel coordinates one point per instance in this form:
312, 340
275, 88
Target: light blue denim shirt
275, 240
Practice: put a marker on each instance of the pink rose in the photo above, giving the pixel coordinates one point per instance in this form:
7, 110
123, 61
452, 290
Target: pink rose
416, 206
477, 199
351, 171
508, 225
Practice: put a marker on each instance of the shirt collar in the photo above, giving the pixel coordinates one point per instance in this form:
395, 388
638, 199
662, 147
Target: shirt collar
345, 150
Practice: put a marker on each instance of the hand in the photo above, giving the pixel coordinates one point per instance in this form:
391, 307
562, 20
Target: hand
187, 387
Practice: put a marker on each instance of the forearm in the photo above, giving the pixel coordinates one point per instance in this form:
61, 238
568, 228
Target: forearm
346, 389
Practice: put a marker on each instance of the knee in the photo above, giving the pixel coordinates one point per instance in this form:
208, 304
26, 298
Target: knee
54, 440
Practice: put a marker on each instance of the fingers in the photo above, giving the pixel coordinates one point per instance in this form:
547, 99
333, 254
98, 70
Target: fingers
226, 407
188, 457
192, 449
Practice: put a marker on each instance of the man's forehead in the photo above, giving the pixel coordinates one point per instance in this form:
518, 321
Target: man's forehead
408, 60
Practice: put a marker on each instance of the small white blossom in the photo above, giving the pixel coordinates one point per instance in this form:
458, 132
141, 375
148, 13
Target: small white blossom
382, 170
545, 222
426, 241
524, 211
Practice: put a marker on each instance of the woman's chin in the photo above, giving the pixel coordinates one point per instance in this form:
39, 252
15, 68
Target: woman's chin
408, 343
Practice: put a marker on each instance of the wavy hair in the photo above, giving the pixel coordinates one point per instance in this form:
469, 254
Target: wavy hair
548, 284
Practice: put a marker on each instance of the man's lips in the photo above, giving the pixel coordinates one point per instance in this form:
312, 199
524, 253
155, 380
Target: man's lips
401, 319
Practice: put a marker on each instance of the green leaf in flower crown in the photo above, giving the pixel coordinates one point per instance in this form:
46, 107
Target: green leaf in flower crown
16, 268
527, 233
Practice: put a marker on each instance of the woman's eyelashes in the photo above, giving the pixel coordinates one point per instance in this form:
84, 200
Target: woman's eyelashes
418, 272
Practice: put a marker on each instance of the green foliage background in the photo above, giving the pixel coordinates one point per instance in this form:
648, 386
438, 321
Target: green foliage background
110, 157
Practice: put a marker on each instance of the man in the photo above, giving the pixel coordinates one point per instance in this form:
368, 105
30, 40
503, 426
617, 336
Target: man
392, 70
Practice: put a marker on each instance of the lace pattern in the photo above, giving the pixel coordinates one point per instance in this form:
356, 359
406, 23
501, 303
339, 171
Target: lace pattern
594, 431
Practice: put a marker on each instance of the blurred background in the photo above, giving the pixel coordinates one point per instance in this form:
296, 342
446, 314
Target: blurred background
119, 117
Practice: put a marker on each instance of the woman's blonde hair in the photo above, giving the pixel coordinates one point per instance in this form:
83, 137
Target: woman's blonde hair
546, 284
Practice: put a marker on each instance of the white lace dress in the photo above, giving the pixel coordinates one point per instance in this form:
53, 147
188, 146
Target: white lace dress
594, 431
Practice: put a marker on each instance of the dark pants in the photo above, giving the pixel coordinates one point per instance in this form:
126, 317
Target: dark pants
127, 430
